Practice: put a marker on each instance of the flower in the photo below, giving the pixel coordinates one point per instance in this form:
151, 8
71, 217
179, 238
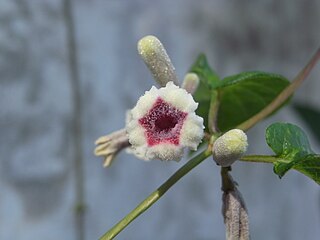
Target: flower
108, 146
163, 123
229, 147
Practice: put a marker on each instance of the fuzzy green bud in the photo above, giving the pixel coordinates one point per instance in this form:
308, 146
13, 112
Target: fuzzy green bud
157, 60
230, 147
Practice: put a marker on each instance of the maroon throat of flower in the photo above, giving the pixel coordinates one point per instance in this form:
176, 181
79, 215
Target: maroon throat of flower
163, 123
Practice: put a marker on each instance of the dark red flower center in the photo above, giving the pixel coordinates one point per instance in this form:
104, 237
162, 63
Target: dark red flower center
163, 123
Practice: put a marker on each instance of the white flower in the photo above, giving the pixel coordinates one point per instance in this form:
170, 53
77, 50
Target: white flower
229, 147
163, 123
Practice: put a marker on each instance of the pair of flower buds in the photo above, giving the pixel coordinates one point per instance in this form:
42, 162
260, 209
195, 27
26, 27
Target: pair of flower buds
163, 123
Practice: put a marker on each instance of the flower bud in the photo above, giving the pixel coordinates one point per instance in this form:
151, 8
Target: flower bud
191, 82
229, 147
108, 146
157, 60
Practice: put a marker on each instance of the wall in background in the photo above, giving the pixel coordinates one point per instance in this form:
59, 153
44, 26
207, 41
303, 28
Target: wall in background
37, 172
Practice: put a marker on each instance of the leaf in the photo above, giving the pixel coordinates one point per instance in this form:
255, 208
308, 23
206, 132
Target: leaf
287, 140
310, 166
245, 94
292, 149
203, 70
203, 111
311, 116
208, 79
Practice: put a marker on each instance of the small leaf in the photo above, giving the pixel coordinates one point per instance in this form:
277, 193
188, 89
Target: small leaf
204, 71
245, 94
208, 79
292, 150
287, 140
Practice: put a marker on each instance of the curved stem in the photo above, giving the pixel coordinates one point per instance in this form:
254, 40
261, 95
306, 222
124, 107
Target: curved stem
259, 158
283, 96
155, 196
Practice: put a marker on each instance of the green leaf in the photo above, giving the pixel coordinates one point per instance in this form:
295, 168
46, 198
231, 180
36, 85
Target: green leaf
245, 94
287, 140
311, 116
203, 70
208, 79
293, 151
203, 111
310, 166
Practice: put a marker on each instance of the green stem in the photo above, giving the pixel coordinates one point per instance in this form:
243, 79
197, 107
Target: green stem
227, 183
259, 158
155, 196
213, 112
283, 96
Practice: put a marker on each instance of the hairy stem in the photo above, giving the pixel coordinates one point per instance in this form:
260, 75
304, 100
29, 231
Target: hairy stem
283, 96
227, 183
213, 112
259, 158
156, 195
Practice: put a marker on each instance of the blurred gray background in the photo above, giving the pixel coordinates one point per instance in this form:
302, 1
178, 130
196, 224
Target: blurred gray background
67, 79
